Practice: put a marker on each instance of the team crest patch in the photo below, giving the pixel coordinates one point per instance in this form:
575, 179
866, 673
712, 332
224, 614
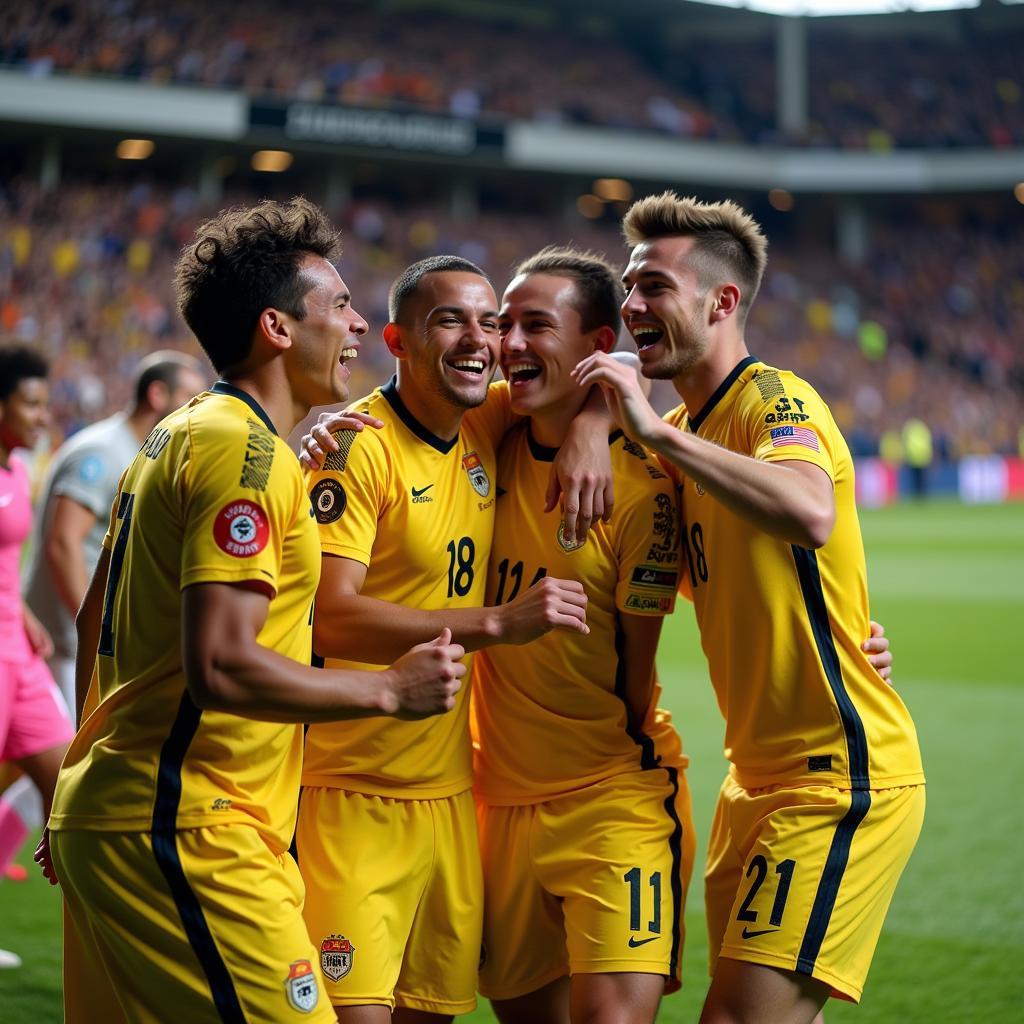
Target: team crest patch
477, 474
568, 545
329, 501
241, 529
300, 986
336, 954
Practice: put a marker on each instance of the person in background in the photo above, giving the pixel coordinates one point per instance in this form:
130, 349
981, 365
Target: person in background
34, 725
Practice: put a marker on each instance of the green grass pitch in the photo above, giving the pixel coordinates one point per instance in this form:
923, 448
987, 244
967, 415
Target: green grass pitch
948, 582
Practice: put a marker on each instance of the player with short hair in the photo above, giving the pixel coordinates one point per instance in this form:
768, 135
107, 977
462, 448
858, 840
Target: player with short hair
34, 725
585, 825
825, 798
74, 504
406, 518
176, 802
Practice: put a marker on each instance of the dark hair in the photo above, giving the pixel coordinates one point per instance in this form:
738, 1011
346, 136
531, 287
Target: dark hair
18, 363
166, 367
409, 280
599, 292
243, 261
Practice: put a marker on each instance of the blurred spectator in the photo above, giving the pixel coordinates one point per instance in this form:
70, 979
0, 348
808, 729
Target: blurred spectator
926, 328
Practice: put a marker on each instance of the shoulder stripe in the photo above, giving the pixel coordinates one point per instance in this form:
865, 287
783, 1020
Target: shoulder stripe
817, 613
648, 761
165, 851
831, 878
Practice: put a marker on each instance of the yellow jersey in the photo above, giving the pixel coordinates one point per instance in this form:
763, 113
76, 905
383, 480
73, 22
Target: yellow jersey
418, 512
549, 717
213, 496
782, 625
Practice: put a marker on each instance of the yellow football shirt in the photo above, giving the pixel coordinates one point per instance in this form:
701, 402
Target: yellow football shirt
782, 625
418, 511
213, 496
549, 717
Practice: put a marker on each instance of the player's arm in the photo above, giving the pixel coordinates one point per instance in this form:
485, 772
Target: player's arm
87, 625
640, 635
791, 500
63, 547
347, 624
227, 669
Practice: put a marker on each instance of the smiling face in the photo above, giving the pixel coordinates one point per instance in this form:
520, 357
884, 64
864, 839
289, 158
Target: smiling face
542, 339
326, 340
448, 338
25, 414
666, 308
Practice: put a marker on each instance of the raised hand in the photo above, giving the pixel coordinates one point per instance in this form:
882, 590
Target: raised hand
319, 442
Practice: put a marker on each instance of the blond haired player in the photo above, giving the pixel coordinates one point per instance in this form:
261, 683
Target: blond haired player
585, 825
176, 802
824, 799
386, 838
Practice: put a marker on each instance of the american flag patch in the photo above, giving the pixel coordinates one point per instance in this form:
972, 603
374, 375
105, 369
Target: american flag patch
795, 435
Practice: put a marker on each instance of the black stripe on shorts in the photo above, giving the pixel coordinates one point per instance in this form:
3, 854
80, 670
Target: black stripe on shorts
165, 850
649, 760
831, 878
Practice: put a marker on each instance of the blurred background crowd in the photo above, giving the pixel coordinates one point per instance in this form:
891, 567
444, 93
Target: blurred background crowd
928, 327
958, 86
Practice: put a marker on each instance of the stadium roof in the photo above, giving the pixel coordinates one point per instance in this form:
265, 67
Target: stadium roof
818, 8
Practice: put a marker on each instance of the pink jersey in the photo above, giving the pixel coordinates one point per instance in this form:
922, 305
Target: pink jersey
15, 523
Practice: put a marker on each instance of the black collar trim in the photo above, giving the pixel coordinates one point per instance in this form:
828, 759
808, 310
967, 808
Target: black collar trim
544, 454
696, 422
222, 387
394, 399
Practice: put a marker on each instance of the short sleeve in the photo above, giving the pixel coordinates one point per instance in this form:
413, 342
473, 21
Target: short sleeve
89, 477
236, 518
349, 495
648, 548
792, 424
494, 417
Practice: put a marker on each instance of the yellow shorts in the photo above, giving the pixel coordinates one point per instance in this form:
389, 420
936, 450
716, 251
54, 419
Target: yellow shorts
590, 883
206, 928
801, 877
394, 898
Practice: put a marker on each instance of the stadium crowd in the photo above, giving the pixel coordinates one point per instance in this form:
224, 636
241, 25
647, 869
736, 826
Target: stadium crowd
875, 93
921, 329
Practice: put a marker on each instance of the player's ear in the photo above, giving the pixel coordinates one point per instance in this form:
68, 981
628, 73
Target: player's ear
604, 339
393, 340
273, 327
726, 304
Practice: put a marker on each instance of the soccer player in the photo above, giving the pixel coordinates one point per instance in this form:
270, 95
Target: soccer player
176, 802
585, 826
34, 725
825, 798
406, 518
80, 485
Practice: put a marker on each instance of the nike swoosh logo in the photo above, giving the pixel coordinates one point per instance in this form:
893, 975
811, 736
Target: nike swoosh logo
418, 491
748, 934
633, 943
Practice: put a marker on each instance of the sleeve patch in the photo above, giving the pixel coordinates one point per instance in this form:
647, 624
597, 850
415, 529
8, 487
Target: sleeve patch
648, 604
803, 436
769, 384
664, 528
259, 457
91, 469
652, 576
336, 461
241, 529
788, 411
329, 501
